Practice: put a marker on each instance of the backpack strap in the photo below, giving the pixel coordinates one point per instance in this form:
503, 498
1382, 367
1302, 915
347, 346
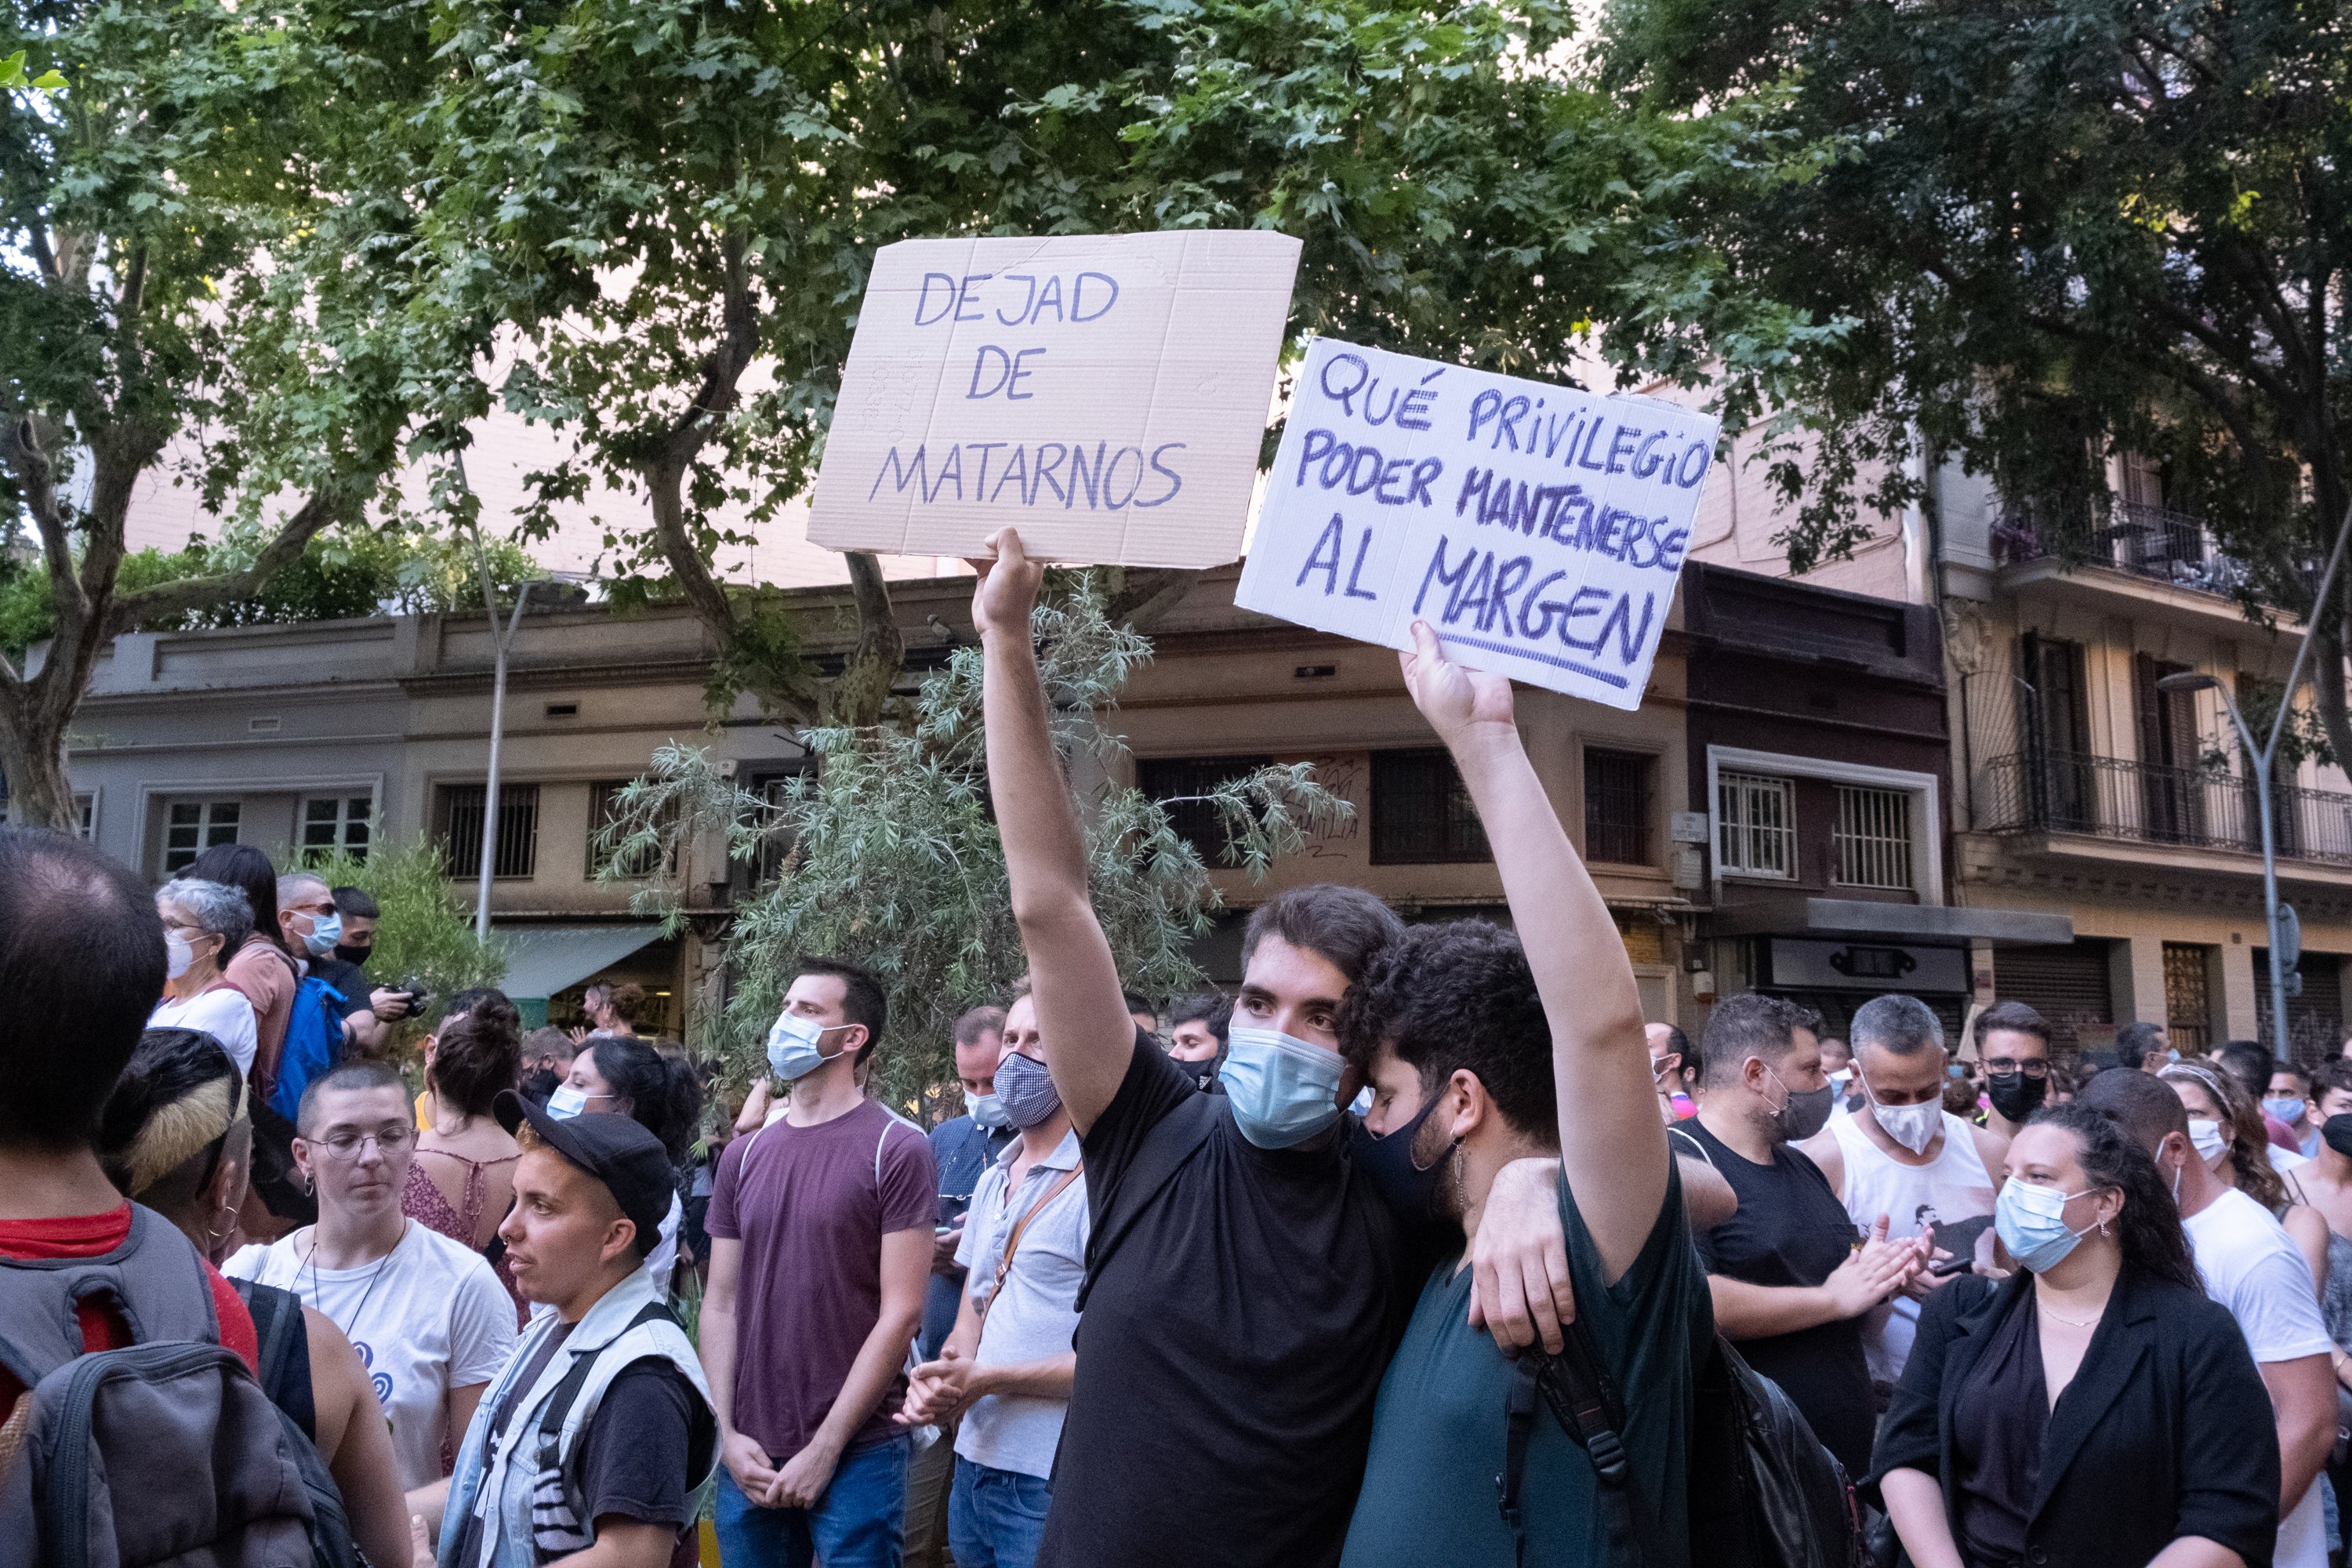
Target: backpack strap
576, 1376
284, 1343
1012, 1241
1518, 1422
1586, 1406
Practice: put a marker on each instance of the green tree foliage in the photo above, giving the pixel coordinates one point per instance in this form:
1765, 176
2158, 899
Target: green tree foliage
885, 851
340, 573
175, 292
677, 203
425, 932
2055, 231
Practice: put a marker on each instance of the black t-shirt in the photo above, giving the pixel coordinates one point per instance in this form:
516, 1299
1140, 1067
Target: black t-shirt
1792, 1230
633, 1457
1232, 1344
348, 978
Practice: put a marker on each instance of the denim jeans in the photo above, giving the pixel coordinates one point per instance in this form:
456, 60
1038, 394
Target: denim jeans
995, 1517
855, 1525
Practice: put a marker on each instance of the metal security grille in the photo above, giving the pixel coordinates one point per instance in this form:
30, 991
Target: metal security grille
1873, 839
461, 829
194, 826
1616, 806
2188, 997
1759, 826
1176, 783
603, 812
2068, 984
1422, 813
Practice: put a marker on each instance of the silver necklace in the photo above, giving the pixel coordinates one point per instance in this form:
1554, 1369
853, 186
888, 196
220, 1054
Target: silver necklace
319, 1301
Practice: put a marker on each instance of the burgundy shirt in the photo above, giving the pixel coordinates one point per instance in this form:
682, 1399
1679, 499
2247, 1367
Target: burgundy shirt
811, 1206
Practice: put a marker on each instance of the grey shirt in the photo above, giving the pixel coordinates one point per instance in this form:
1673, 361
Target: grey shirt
1035, 1315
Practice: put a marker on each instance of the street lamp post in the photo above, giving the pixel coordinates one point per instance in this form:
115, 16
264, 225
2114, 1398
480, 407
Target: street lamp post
2261, 759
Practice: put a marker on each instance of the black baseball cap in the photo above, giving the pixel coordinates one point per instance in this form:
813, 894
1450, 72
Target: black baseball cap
615, 1150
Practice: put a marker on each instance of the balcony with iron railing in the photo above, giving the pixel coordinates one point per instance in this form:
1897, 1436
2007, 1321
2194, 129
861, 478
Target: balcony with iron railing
2152, 543
2057, 793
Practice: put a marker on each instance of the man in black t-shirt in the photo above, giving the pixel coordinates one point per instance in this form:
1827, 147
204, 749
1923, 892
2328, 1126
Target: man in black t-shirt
610, 1370
1245, 1282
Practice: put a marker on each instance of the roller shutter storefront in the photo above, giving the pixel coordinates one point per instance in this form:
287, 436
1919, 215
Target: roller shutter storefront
2069, 984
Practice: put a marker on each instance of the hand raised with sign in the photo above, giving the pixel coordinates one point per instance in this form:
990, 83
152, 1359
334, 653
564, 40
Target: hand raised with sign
1460, 703
1008, 586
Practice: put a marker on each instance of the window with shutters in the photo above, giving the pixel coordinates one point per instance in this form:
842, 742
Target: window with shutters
458, 811
1617, 806
1756, 826
1422, 813
193, 827
1873, 837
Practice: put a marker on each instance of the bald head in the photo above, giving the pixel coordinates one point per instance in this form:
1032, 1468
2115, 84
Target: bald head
2143, 1105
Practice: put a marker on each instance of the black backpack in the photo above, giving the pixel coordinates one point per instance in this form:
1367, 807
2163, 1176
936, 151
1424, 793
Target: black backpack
1764, 1493
164, 1451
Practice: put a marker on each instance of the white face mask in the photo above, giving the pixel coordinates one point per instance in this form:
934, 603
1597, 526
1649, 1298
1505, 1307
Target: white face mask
1913, 1126
178, 954
2210, 1142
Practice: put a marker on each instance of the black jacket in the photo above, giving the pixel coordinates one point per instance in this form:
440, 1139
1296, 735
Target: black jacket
2165, 1431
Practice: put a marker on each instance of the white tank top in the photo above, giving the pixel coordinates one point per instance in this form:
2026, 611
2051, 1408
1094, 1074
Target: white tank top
1953, 1193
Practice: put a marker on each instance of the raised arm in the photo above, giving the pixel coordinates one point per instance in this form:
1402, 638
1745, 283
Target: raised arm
1612, 1144
1089, 1037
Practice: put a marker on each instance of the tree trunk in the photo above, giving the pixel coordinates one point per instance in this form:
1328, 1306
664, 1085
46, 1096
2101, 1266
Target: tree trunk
863, 691
33, 756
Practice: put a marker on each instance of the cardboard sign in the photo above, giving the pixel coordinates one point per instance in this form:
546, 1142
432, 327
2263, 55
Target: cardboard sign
1537, 530
1104, 393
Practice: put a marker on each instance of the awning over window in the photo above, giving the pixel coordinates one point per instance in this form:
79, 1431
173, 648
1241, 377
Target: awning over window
544, 960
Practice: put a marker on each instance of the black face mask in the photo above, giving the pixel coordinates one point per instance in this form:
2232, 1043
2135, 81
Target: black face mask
355, 956
2014, 1095
1387, 1160
2337, 1132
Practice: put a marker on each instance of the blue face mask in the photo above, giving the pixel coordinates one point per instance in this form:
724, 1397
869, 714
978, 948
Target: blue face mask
1283, 1091
986, 1110
325, 931
792, 1051
566, 1102
2032, 1222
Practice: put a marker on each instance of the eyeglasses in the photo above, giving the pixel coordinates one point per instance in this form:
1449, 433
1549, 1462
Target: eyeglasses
2009, 1065
342, 1145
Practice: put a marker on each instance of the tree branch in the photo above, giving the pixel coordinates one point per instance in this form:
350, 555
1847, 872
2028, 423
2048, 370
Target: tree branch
864, 689
130, 610
665, 474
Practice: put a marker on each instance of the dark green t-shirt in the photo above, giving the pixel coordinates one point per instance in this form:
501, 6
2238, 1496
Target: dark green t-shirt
1429, 1497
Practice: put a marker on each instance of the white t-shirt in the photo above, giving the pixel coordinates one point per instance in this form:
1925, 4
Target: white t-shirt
427, 1317
2253, 1266
222, 1012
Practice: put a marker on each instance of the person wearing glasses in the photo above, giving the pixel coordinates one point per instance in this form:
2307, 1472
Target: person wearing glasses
429, 1319
204, 923
2013, 1049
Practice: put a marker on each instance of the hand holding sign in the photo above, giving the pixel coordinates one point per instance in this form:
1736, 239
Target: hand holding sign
1457, 702
1539, 529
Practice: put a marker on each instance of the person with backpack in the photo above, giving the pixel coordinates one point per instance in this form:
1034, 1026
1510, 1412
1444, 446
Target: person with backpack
599, 1436
318, 1027
1482, 1046
426, 1314
104, 1307
261, 966
176, 1138
2094, 1409
1245, 1279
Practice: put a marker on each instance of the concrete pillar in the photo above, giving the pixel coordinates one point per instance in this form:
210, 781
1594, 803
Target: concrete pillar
2140, 969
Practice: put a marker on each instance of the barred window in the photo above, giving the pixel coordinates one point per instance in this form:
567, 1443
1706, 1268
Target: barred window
1758, 818
1872, 840
603, 810
1175, 779
1422, 813
1617, 806
461, 810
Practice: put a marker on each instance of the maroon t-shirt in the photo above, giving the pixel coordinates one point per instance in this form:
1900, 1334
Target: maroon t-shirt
811, 1206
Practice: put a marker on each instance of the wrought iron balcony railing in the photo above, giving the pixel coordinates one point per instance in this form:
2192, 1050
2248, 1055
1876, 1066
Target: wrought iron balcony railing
2054, 792
2149, 541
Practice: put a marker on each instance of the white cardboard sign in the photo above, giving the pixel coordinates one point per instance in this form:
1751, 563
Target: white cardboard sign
1537, 530
1104, 393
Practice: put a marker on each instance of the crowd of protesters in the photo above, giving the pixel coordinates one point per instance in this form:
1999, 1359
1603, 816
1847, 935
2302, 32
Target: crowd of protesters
1262, 1280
